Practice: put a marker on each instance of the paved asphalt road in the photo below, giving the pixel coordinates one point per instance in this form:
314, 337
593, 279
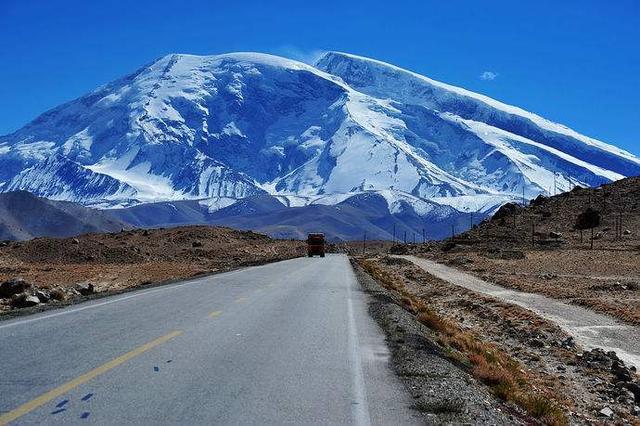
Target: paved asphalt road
285, 343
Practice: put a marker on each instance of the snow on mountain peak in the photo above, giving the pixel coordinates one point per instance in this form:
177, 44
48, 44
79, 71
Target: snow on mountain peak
230, 126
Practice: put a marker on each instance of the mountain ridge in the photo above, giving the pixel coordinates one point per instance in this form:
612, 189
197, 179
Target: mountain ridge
227, 127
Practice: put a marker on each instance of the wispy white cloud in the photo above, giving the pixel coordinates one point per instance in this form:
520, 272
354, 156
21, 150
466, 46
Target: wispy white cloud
308, 56
488, 75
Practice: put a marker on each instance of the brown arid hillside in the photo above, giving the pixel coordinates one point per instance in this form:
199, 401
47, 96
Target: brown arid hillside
66, 269
547, 247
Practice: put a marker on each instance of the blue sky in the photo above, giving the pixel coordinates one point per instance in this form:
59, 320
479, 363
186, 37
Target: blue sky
575, 62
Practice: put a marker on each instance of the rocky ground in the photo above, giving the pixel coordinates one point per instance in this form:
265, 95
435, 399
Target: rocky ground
49, 271
525, 361
547, 248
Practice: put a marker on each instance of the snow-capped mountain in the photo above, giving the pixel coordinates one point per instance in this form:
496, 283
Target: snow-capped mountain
228, 127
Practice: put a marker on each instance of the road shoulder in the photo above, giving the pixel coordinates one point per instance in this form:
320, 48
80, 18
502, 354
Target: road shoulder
442, 391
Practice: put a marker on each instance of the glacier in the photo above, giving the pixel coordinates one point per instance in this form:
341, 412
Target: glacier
224, 128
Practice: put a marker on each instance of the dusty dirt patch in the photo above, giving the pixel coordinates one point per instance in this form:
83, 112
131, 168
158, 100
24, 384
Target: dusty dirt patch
118, 261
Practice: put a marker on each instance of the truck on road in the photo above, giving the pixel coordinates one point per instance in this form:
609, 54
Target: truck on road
315, 244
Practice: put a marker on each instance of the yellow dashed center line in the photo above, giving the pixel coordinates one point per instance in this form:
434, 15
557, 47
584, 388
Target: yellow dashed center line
61, 390
215, 314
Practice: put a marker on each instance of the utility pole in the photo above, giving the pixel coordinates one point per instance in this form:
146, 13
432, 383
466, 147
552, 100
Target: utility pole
453, 230
423, 239
533, 234
364, 243
394, 233
414, 238
620, 222
471, 215
555, 186
405, 237
591, 238
523, 195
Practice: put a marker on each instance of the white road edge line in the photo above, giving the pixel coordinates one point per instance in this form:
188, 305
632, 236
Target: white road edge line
12, 323
360, 407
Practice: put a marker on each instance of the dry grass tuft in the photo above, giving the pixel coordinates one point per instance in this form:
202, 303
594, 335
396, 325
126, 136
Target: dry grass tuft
434, 321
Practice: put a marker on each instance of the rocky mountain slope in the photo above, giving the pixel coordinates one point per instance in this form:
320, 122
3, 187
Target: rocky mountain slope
24, 216
227, 127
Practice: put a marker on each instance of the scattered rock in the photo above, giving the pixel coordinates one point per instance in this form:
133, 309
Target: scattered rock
75, 241
196, 244
547, 275
12, 287
536, 343
626, 232
568, 343
636, 410
607, 412
85, 289
24, 300
634, 388
620, 371
555, 235
43, 296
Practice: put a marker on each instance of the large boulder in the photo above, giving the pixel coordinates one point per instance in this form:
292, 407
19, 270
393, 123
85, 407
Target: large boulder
13, 287
85, 289
43, 296
508, 209
24, 300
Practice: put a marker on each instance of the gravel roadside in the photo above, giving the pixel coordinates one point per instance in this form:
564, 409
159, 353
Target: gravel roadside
444, 392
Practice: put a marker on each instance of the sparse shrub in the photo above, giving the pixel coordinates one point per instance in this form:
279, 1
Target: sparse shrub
541, 407
433, 321
491, 374
588, 219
